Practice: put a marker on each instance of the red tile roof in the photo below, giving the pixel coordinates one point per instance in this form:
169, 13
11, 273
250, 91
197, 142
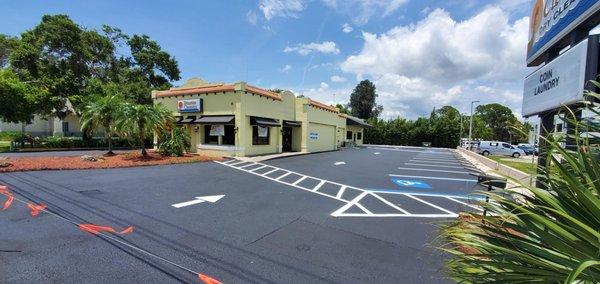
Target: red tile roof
216, 89
322, 106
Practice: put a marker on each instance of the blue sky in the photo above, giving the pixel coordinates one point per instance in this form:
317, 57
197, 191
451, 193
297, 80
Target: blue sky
420, 53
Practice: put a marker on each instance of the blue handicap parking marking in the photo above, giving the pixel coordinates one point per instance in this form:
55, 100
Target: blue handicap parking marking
411, 183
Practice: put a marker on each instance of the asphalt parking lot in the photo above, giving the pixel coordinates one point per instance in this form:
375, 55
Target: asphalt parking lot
351, 216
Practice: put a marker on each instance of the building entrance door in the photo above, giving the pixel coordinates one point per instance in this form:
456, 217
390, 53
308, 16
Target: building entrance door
287, 139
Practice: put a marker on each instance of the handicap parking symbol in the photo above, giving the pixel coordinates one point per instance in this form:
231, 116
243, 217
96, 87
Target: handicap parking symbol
411, 183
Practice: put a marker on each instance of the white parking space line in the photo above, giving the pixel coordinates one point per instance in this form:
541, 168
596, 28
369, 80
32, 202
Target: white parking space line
342, 189
284, 175
464, 203
261, 167
399, 212
408, 150
440, 178
435, 159
299, 180
237, 163
363, 208
432, 205
269, 172
434, 170
390, 204
439, 166
433, 162
319, 185
245, 166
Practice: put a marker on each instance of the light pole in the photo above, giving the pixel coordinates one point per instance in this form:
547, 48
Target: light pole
461, 130
471, 126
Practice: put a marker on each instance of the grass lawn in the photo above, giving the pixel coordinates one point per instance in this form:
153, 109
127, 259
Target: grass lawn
4, 146
521, 165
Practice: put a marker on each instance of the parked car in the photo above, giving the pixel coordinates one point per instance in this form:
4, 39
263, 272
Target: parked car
470, 144
487, 148
527, 148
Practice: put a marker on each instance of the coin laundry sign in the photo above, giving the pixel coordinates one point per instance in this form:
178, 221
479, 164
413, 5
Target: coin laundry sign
557, 83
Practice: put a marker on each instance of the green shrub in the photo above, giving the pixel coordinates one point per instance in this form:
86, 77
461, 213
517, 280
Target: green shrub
174, 143
543, 235
9, 135
56, 142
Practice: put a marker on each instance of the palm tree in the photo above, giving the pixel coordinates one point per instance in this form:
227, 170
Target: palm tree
140, 120
102, 112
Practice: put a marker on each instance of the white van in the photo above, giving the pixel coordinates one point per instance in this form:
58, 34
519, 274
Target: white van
487, 148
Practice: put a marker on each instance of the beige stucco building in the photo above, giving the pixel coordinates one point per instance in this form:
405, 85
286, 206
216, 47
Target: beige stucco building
50, 125
242, 120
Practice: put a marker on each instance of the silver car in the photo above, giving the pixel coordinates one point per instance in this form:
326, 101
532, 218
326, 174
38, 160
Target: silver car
487, 148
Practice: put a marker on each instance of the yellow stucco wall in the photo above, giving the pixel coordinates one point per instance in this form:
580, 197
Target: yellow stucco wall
356, 129
329, 127
317, 121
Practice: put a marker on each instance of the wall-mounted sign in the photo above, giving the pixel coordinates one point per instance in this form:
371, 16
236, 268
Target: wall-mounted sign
557, 83
193, 105
551, 20
313, 135
217, 130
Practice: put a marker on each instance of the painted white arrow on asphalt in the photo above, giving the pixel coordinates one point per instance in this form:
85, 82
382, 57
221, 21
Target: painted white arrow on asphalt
198, 200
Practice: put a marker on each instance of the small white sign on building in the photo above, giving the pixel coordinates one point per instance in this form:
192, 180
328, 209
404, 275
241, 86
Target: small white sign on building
314, 135
557, 83
217, 130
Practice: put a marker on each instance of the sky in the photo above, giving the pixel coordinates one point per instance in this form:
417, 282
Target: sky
420, 54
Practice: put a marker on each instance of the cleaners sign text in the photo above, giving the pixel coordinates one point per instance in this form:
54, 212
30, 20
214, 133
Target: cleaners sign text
557, 83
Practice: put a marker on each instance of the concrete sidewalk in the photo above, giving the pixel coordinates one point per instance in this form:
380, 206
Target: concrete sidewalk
261, 158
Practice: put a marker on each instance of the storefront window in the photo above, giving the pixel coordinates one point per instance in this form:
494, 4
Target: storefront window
208, 138
260, 135
359, 136
229, 138
349, 135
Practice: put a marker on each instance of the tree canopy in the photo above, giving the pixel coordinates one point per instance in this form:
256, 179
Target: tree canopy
499, 119
15, 98
69, 61
362, 101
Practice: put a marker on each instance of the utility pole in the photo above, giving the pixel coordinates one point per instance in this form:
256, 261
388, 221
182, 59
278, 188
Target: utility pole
461, 130
471, 126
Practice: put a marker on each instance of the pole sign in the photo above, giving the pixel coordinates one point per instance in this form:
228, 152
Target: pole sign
552, 20
557, 83
193, 105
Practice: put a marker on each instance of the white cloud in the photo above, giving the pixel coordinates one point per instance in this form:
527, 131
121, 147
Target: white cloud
347, 28
440, 61
251, 17
514, 4
323, 86
361, 11
286, 68
338, 79
281, 8
307, 48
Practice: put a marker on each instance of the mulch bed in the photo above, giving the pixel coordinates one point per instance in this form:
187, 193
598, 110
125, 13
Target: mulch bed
121, 160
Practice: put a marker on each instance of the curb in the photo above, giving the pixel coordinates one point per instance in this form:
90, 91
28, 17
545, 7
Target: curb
513, 173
